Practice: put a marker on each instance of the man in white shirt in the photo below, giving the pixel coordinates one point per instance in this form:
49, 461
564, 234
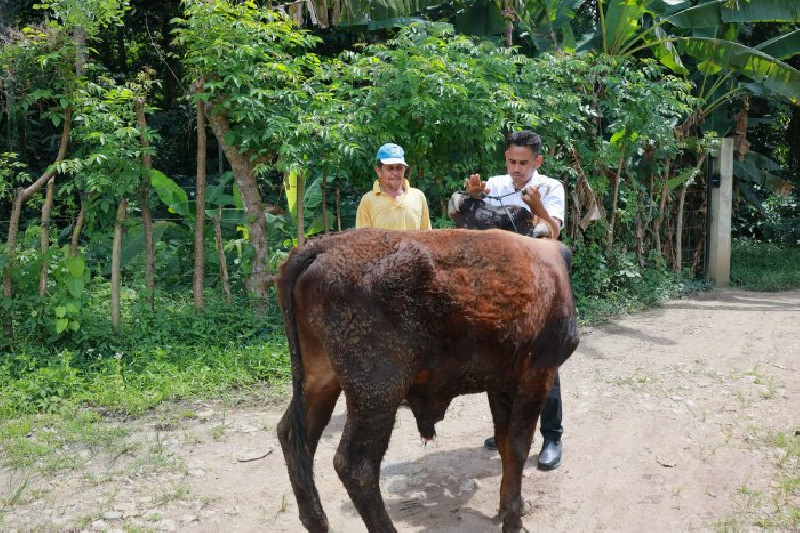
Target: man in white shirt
544, 198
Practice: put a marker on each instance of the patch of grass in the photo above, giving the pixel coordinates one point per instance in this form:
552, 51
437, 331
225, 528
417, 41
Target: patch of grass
179, 492
218, 431
53, 442
764, 267
775, 506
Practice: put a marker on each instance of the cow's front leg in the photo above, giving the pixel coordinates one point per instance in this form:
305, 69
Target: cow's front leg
500, 406
358, 459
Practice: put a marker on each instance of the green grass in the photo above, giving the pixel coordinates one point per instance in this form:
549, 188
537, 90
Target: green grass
55, 395
776, 508
764, 267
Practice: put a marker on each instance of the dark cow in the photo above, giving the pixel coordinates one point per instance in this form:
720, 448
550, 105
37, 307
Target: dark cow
425, 316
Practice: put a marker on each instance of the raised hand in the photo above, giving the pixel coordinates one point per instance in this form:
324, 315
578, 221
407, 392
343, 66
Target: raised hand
474, 186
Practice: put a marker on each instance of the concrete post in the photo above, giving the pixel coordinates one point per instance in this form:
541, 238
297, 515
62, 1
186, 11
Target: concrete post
719, 231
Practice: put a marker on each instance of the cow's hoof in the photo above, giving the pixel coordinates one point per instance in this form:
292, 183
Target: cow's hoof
513, 525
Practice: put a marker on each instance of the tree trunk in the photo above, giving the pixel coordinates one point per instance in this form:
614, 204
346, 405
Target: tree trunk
223, 262
662, 209
324, 208
338, 208
144, 199
508, 12
676, 267
45, 237
615, 200
640, 225
80, 51
20, 196
79, 221
200, 206
242, 165
301, 212
116, 263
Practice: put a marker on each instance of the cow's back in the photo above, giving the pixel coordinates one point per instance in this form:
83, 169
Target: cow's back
445, 288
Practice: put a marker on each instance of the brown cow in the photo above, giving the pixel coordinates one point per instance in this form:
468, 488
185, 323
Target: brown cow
425, 316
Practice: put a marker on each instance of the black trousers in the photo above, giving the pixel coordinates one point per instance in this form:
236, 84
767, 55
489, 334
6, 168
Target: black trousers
550, 425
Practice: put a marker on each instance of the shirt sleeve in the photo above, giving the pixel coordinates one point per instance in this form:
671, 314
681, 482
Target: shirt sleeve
554, 201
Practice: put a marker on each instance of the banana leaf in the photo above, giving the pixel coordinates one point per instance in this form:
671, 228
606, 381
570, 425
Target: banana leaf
716, 13
782, 47
754, 64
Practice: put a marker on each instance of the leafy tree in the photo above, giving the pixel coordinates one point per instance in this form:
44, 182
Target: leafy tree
249, 68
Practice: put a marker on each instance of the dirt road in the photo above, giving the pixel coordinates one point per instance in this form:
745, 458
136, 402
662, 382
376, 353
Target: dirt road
678, 418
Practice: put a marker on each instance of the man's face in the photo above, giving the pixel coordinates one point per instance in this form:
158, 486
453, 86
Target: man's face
520, 163
390, 177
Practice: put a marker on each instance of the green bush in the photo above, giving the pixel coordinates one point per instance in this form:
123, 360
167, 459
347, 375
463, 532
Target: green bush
607, 284
766, 267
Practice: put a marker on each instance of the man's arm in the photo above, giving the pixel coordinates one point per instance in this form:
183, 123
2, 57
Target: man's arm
533, 199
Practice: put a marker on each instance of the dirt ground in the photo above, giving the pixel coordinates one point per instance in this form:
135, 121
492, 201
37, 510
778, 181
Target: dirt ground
673, 421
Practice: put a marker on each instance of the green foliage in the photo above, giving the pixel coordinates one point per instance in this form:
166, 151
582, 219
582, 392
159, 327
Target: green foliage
12, 175
776, 220
67, 300
761, 266
108, 163
252, 68
165, 355
88, 15
607, 284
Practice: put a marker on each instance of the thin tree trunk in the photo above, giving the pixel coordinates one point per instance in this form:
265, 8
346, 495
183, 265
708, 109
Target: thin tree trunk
80, 51
324, 208
508, 12
45, 237
301, 212
338, 209
615, 199
223, 262
662, 209
79, 222
20, 196
260, 278
676, 267
116, 263
200, 206
639, 225
144, 198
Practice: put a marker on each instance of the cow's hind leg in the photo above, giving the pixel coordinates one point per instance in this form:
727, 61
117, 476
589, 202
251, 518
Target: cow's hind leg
357, 461
299, 432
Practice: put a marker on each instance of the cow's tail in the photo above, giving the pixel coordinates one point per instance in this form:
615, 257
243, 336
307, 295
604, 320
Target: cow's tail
293, 426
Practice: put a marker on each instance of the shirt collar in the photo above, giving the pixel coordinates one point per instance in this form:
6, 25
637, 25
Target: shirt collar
376, 187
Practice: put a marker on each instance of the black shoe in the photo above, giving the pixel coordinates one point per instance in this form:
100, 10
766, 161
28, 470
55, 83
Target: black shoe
550, 456
489, 444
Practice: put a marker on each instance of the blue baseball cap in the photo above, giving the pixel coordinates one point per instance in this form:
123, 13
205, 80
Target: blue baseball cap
391, 154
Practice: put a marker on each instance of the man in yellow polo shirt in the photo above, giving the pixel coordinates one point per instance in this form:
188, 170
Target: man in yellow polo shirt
392, 203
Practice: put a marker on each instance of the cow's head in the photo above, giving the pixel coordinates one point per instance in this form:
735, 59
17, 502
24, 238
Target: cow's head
473, 213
